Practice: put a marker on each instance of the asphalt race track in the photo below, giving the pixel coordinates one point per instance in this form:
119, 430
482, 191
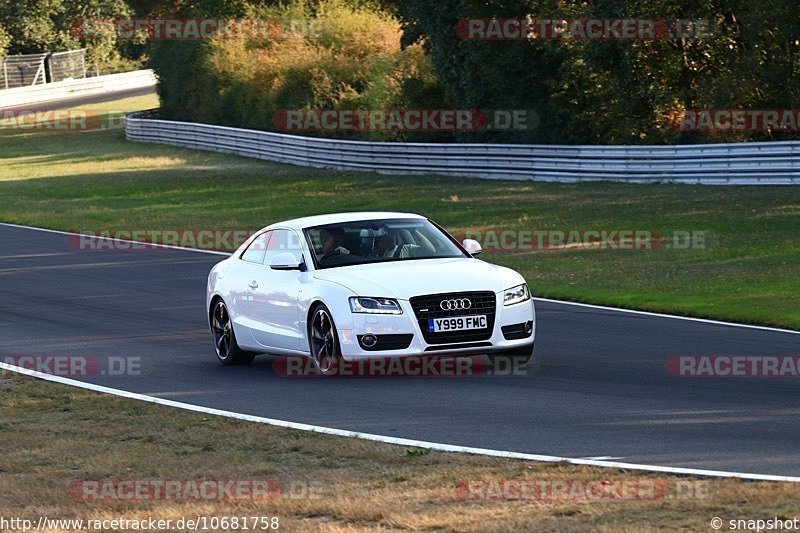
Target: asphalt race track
602, 389
74, 101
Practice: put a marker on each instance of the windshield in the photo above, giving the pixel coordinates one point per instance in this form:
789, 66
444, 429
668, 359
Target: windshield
375, 241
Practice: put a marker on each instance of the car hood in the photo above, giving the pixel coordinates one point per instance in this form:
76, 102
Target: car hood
404, 279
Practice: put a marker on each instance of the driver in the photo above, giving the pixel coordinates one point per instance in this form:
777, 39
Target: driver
332, 240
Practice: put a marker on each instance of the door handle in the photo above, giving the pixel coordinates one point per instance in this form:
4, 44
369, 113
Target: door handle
253, 285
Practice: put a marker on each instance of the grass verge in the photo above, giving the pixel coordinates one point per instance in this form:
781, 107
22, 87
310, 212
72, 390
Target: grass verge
56, 436
747, 270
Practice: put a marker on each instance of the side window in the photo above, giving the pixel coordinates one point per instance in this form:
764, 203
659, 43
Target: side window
283, 241
255, 252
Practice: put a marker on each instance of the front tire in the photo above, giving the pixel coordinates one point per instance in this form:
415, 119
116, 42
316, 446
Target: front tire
323, 341
228, 351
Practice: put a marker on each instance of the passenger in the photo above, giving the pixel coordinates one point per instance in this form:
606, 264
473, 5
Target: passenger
395, 248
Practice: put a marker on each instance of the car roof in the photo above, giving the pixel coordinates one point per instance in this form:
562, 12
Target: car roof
337, 218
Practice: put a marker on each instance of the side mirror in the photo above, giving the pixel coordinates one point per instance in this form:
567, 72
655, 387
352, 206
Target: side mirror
472, 246
286, 261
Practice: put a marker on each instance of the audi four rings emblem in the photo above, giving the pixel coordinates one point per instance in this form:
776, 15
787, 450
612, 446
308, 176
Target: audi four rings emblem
456, 304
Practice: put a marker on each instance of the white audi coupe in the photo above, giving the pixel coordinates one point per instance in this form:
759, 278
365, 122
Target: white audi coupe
365, 285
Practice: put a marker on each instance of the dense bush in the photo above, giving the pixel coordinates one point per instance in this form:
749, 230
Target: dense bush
333, 54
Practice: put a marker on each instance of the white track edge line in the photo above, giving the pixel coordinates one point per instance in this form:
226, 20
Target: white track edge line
562, 302
676, 317
393, 440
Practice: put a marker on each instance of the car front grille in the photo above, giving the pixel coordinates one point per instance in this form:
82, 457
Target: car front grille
428, 307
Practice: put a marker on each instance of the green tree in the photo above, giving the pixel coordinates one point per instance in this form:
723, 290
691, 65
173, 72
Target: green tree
617, 91
55, 25
491, 74
36, 26
101, 51
5, 40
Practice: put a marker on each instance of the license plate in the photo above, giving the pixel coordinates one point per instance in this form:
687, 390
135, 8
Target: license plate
456, 323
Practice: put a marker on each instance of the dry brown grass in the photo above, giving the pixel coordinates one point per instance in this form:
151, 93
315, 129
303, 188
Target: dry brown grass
53, 435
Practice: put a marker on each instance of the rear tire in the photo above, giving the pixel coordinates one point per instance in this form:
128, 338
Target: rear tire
225, 345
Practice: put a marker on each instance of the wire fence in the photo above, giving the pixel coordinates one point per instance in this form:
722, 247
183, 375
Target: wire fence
68, 65
27, 70
23, 70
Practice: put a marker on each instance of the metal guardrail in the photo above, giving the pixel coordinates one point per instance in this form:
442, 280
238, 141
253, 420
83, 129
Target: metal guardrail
81, 87
766, 163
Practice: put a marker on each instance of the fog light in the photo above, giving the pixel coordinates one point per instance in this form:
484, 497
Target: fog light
528, 326
369, 340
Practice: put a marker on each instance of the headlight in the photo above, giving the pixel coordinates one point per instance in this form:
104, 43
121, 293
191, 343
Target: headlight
375, 306
516, 295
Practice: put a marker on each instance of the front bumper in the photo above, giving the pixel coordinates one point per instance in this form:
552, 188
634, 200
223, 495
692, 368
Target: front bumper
400, 335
